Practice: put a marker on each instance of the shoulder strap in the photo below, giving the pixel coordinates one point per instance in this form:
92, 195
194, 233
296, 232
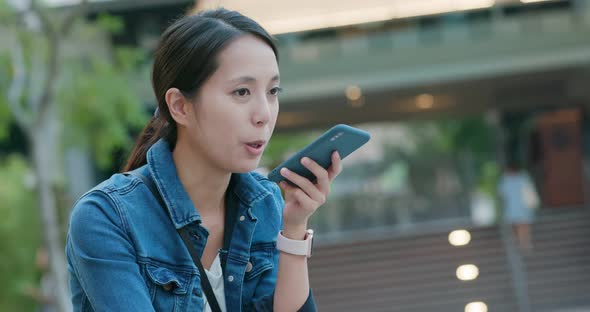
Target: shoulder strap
205, 284
231, 214
211, 299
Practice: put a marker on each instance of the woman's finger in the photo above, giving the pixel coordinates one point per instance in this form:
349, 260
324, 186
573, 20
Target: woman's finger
322, 178
336, 166
300, 196
304, 200
286, 186
304, 184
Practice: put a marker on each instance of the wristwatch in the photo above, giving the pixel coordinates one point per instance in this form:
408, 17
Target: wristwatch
296, 247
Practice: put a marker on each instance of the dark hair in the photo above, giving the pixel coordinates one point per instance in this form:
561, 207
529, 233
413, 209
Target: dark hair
185, 58
513, 163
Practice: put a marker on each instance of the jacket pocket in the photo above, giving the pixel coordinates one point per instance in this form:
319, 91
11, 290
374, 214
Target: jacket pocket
261, 260
260, 275
169, 288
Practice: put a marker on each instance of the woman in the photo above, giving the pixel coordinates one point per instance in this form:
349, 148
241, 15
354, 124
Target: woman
216, 80
520, 199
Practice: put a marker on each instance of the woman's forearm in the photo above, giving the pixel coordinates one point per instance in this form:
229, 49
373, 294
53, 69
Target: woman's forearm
292, 288
301, 201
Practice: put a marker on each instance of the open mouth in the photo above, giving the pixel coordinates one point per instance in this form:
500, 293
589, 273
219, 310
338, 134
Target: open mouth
255, 145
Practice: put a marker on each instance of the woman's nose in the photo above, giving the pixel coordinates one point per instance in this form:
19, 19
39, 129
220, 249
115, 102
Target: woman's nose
262, 113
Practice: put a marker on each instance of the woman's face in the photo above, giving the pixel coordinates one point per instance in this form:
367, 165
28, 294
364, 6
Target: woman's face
236, 109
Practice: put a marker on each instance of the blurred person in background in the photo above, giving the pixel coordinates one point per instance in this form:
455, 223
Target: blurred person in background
519, 200
216, 80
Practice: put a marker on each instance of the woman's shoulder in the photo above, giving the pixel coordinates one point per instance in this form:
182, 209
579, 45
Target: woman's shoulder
95, 208
101, 199
116, 183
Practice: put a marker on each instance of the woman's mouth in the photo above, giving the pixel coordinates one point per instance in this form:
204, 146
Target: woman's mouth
255, 148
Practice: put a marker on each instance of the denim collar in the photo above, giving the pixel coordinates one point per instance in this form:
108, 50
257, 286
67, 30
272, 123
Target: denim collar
182, 211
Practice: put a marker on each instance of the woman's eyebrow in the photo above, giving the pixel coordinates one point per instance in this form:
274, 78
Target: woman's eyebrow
247, 79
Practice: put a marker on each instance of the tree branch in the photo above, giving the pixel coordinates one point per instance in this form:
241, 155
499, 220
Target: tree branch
48, 90
53, 37
77, 12
37, 72
17, 85
46, 26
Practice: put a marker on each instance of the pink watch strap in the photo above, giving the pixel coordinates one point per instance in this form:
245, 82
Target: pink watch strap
296, 247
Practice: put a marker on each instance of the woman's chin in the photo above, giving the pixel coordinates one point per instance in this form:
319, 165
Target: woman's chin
246, 167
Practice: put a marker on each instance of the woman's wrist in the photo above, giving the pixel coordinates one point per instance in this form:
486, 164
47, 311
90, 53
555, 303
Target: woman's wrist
297, 231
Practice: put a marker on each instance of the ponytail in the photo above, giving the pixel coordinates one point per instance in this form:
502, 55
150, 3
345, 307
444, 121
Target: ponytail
155, 129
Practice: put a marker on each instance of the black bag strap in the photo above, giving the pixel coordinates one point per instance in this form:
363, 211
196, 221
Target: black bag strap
184, 234
231, 214
204, 279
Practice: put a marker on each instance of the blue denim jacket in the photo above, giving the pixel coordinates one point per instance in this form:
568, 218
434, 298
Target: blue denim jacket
124, 253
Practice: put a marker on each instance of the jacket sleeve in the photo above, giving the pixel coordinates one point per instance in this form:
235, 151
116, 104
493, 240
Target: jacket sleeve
102, 256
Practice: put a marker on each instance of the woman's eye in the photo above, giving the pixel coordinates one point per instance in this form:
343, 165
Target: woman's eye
242, 92
276, 91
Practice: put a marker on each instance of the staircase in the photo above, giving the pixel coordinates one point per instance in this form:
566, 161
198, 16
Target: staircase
417, 272
559, 269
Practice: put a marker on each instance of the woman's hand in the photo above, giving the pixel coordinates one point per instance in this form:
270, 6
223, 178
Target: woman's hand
302, 200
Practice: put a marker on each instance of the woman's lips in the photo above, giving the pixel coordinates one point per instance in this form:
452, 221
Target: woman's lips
255, 148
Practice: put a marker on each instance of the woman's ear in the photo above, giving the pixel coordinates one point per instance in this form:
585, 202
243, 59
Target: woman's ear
178, 106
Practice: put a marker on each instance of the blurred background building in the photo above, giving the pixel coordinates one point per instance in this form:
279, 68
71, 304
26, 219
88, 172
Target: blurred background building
450, 90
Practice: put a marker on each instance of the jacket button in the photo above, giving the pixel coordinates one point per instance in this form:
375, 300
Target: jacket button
242, 218
249, 267
167, 287
230, 278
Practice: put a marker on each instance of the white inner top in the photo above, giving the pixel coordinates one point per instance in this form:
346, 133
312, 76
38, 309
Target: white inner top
215, 275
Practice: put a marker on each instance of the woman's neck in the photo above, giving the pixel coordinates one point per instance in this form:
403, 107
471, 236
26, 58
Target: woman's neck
204, 183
